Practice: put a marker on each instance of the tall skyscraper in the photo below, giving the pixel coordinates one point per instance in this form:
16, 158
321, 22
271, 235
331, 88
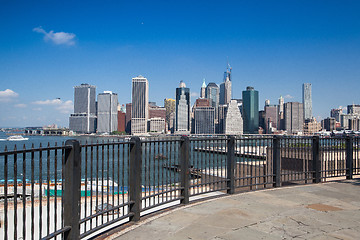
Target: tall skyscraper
307, 102
336, 113
353, 109
225, 87
204, 118
294, 117
169, 105
233, 120
212, 93
203, 90
83, 120
281, 121
250, 110
140, 105
107, 112
182, 109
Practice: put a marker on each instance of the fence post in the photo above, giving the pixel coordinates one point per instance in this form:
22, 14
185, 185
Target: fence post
135, 178
184, 166
276, 162
231, 165
72, 184
349, 157
316, 159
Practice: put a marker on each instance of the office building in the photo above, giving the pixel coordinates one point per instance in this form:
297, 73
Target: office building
204, 120
225, 87
294, 117
250, 112
169, 105
344, 120
212, 93
311, 127
233, 119
307, 101
353, 109
271, 118
182, 109
140, 105
83, 120
156, 125
336, 113
329, 124
121, 121
128, 118
202, 102
281, 121
354, 124
203, 90
107, 112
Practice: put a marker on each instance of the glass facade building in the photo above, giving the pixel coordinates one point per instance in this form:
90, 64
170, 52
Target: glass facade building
250, 110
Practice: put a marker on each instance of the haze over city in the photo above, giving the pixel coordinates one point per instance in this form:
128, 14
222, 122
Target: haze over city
47, 48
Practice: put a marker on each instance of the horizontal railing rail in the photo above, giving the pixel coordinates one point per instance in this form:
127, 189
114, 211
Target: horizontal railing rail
78, 190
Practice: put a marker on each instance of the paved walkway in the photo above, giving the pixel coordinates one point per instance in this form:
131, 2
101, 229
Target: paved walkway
318, 211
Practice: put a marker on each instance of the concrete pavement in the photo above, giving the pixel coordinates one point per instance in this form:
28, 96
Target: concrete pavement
316, 211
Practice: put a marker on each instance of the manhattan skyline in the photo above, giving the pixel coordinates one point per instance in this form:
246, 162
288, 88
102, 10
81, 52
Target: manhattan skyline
47, 48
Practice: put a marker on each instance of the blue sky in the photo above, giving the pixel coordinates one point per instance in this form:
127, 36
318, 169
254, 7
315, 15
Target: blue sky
48, 47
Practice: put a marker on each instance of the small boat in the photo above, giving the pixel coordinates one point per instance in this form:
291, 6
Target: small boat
17, 138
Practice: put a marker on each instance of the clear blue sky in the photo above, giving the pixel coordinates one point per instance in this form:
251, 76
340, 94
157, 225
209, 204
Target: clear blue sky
47, 47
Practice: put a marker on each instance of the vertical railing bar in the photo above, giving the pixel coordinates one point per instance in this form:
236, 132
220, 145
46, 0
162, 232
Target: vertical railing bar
55, 187
15, 193
24, 193
102, 179
86, 186
32, 191
6, 194
91, 183
118, 177
62, 186
48, 190
40, 195
97, 182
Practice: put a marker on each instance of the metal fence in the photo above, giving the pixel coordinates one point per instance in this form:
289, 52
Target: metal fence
77, 191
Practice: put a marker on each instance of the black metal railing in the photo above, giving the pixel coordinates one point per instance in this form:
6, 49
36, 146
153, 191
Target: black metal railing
78, 190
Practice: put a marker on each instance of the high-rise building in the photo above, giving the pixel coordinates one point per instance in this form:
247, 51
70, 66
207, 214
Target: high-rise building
203, 90
212, 93
329, 124
156, 124
271, 118
311, 127
107, 112
281, 121
233, 119
294, 117
204, 120
353, 109
182, 109
83, 120
140, 105
128, 118
344, 120
307, 101
336, 113
169, 105
250, 110
225, 87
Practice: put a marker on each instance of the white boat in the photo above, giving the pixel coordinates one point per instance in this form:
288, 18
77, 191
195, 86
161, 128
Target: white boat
17, 138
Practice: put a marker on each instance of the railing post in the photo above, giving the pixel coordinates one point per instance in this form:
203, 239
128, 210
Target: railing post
72, 183
316, 159
349, 157
135, 178
276, 161
231, 165
184, 166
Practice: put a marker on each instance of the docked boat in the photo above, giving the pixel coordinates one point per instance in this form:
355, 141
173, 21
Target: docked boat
17, 138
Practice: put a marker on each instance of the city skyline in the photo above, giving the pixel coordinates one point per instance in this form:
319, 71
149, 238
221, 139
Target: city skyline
43, 55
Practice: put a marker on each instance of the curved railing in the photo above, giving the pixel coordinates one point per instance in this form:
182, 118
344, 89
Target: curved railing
78, 191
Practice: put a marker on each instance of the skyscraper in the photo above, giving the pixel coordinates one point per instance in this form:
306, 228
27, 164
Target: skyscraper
307, 102
212, 93
203, 90
250, 110
233, 120
140, 105
169, 105
204, 118
182, 109
225, 87
107, 112
294, 120
281, 123
83, 120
